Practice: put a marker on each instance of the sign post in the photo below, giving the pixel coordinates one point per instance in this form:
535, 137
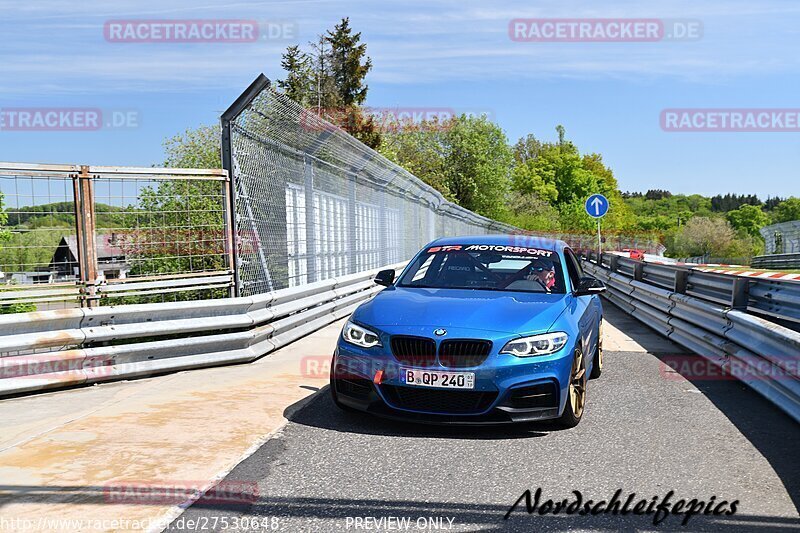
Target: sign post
597, 207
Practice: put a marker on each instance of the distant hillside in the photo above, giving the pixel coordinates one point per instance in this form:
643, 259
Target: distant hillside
58, 214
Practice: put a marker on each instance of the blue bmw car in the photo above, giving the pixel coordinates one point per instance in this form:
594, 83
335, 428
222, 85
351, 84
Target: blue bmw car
475, 330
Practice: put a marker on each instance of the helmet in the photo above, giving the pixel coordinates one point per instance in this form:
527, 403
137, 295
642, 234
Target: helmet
542, 264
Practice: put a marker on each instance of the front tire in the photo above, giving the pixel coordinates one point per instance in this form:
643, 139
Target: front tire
576, 394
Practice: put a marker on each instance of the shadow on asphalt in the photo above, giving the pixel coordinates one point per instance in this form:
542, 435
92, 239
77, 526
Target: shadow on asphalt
320, 412
770, 430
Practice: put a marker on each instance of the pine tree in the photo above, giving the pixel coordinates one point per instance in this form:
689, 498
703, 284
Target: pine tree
349, 63
324, 94
297, 84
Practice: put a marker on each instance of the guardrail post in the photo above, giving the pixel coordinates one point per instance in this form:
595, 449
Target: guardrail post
638, 271
681, 281
614, 263
740, 295
83, 190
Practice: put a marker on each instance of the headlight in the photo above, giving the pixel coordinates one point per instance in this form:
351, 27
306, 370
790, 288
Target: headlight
543, 344
355, 334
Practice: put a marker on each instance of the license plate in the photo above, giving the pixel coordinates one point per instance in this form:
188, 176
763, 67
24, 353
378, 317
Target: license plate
443, 380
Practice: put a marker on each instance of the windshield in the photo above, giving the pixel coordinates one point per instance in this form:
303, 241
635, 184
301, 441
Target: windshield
486, 267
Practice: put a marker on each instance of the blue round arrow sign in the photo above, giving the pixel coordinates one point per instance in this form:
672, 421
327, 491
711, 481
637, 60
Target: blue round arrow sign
597, 206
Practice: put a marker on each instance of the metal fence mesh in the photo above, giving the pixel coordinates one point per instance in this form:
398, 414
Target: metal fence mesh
783, 238
313, 203
39, 213
159, 226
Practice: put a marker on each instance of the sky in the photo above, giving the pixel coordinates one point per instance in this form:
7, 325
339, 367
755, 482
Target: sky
431, 54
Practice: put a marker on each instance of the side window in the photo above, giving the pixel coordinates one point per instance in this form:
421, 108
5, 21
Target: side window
577, 262
573, 268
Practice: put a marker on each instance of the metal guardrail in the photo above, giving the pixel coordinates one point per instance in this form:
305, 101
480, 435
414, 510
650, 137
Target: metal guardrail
777, 261
707, 314
67, 347
771, 298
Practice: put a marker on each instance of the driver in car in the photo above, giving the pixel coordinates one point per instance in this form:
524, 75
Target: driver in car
543, 272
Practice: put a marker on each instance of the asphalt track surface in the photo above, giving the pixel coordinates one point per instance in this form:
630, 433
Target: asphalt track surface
645, 431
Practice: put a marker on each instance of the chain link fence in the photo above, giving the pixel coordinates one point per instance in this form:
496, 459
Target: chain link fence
783, 238
312, 202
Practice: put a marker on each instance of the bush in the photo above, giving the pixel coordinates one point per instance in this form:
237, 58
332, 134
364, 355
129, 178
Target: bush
712, 236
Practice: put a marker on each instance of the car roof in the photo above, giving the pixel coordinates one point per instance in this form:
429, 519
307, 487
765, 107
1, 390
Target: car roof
528, 241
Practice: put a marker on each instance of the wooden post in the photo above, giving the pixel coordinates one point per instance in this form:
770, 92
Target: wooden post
83, 187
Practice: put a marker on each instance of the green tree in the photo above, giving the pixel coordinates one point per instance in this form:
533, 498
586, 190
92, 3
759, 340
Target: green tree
466, 158
557, 173
324, 95
419, 148
532, 213
298, 82
349, 63
477, 162
527, 149
711, 236
331, 80
788, 210
194, 148
748, 219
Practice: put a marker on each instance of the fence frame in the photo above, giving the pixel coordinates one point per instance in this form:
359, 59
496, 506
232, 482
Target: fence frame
88, 285
230, 114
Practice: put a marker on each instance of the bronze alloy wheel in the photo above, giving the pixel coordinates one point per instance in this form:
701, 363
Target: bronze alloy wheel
577, 384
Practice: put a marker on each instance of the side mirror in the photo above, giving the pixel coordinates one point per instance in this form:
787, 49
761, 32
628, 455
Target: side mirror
384, 277
589, 286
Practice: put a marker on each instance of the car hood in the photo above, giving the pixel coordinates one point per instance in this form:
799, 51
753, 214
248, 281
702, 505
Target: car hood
507, 312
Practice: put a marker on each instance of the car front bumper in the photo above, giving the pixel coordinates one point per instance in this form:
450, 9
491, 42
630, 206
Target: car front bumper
507, 389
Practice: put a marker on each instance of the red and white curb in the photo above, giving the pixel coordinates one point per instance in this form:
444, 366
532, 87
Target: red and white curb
753, 274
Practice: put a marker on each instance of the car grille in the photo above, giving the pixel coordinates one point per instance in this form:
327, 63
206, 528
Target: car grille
440, 401
463, 353
453, 353
416, 351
